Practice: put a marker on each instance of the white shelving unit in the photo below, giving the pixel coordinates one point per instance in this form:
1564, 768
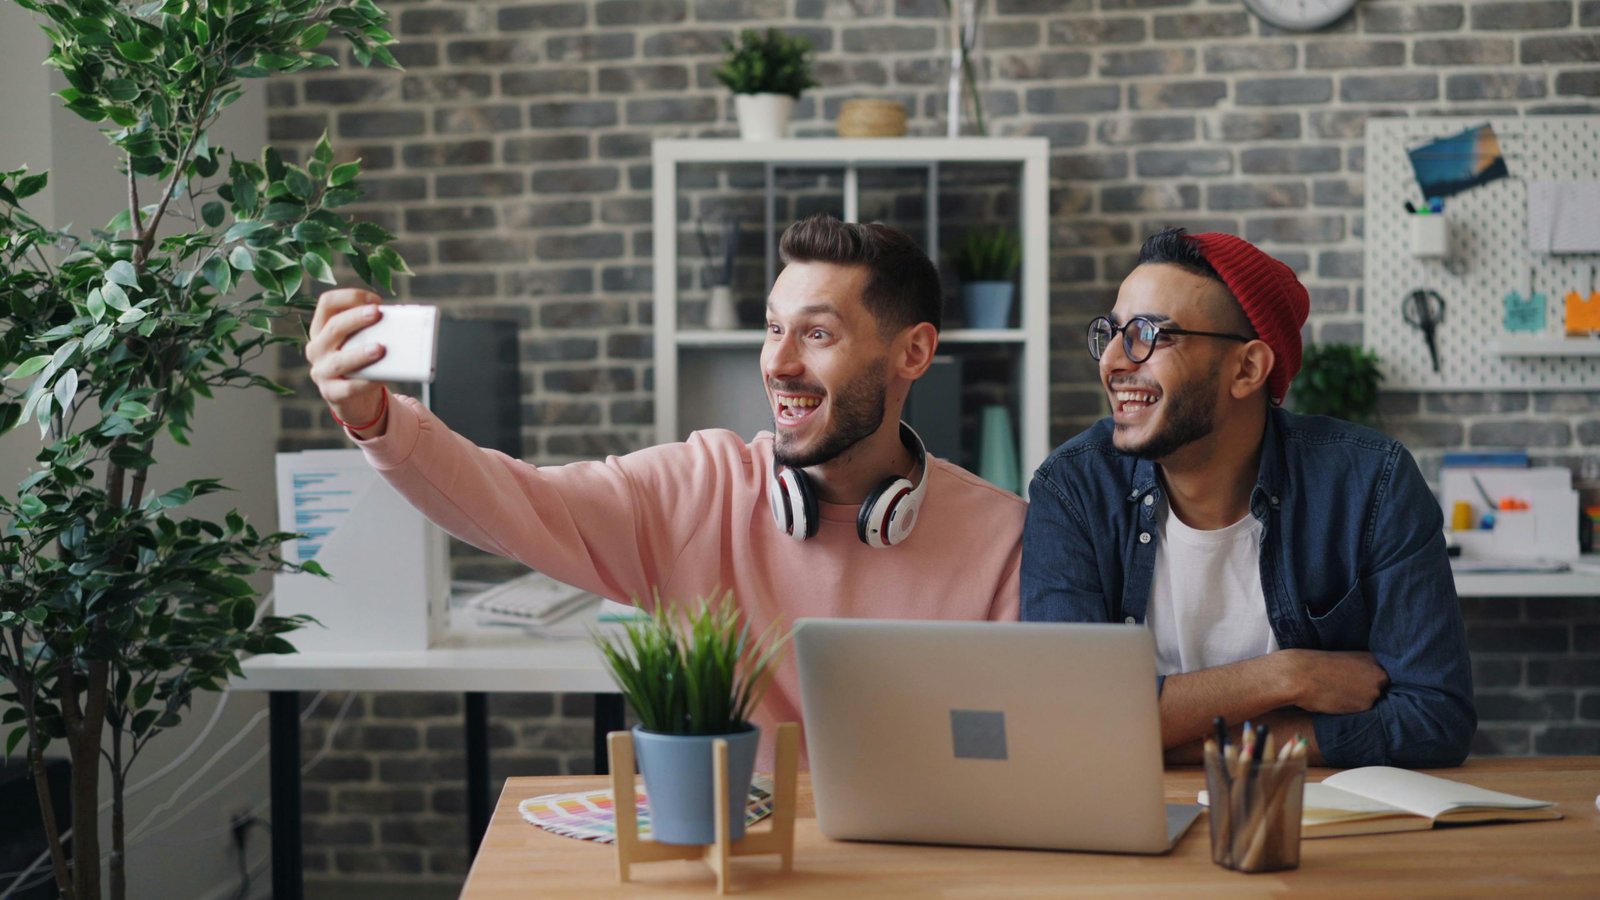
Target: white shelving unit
676, 379
1545, 346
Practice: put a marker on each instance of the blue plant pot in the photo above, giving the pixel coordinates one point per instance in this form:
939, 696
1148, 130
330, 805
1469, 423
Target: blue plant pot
987, 303
677, 780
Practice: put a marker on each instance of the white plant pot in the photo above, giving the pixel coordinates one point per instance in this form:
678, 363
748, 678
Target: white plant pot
721, 314
763, 117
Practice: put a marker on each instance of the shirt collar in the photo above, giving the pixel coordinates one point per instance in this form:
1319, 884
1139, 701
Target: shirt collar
1269, 474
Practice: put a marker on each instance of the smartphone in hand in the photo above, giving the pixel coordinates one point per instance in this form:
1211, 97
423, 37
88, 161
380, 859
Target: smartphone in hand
410, 336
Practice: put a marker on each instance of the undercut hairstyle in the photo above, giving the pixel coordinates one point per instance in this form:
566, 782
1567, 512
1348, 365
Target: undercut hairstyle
903, 288
1173, 247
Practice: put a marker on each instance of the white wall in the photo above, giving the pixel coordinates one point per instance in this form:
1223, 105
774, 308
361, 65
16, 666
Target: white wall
234, 439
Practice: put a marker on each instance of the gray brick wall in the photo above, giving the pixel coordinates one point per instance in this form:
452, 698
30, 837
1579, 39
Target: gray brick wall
512, 158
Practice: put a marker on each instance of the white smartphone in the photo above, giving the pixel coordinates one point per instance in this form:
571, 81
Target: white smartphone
410, 337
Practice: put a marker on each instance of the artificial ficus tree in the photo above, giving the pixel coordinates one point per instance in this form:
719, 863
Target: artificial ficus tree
116, 606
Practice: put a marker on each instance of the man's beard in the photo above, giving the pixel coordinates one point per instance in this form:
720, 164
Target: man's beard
857, 413
1188, 417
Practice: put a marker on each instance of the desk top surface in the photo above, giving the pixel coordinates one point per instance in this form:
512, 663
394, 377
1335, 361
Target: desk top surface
1560, 858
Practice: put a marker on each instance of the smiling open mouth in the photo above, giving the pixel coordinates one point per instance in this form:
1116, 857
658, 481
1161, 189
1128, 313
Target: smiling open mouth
794, 409
1135, 401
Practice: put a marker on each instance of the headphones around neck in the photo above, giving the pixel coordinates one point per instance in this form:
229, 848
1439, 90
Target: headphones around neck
887, 514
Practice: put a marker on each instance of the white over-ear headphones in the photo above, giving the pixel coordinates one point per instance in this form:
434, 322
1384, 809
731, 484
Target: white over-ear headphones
887, 514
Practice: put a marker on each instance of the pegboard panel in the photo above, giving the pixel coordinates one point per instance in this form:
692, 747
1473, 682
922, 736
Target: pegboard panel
1488, 257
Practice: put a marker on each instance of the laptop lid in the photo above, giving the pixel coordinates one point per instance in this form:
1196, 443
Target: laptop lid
998, 734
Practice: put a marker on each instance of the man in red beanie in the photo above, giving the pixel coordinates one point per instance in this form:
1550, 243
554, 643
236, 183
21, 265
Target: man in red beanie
1292, 568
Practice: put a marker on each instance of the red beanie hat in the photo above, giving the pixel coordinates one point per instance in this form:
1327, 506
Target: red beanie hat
1271, 295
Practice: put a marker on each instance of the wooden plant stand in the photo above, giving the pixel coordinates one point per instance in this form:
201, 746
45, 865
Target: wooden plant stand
777, 838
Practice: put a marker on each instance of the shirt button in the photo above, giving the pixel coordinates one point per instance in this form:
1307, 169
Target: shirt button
1130, 621
1144, 537
1149, 499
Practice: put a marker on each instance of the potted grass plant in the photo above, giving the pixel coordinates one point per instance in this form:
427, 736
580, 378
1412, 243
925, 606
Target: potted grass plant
986, 261
693, 675
767, 71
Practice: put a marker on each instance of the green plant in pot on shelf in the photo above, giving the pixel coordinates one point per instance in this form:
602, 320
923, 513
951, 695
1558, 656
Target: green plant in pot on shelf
692, 674
767, 72
117, 604
986, 262
1339, 380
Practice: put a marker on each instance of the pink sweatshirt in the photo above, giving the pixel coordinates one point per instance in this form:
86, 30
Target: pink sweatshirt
689, 519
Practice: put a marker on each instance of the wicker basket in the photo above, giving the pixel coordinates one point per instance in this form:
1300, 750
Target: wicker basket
872, 118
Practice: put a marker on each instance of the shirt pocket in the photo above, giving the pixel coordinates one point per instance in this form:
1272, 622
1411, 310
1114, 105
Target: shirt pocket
1344, 625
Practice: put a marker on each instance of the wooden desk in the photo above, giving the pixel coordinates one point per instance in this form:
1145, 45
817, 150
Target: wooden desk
1543, 859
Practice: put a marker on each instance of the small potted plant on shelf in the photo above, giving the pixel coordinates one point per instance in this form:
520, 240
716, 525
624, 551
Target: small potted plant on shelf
1339, 380
692, 675
767, 71
986, 262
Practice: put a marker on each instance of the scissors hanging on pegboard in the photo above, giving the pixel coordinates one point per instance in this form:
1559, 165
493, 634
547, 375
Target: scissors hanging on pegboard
1424, 311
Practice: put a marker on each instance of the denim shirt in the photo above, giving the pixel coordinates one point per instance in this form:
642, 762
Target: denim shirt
1352, 558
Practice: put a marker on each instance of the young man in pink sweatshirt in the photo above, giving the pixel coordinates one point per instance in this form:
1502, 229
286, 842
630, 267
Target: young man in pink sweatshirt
836, 513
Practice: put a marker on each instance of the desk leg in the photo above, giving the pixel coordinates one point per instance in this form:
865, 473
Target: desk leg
477, 705
610, 714
288, 876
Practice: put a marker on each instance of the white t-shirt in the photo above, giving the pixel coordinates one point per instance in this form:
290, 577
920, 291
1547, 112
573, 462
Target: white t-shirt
1206, 605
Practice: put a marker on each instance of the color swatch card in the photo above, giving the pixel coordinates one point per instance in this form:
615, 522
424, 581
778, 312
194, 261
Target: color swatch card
590, 815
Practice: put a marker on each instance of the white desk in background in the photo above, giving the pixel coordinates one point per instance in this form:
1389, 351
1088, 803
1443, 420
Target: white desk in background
473, 660
1581, 580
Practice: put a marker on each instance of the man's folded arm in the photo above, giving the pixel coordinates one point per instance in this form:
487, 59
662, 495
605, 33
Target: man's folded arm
1426, 718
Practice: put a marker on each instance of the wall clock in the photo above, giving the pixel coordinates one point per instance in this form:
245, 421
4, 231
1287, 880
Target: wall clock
1300, 15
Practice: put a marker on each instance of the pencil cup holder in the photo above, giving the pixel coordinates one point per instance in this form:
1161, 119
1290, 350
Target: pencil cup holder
1255, 817
1430, 236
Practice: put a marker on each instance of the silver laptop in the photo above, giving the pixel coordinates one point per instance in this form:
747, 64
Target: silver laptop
998, 734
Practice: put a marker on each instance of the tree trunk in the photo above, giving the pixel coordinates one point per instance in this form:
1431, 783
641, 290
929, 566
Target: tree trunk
119, 857
83, 739
47, 816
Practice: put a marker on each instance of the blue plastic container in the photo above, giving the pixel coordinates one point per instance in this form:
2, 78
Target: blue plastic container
677, 779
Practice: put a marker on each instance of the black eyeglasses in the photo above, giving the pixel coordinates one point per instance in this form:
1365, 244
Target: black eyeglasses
1140, 335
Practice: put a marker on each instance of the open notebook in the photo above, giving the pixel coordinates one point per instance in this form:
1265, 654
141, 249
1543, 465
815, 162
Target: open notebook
1381, 798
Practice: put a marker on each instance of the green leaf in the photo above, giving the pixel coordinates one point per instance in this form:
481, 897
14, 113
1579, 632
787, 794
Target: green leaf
133, 51
344, 173
114, 296
323, 152
96, 305
122, 272
312, 233
314, 36
241, 260
338, 197
67, 388
213, 213
243, 615
274, 260
216, 272
132, 316
30, 366
300, 184
15, 738
283, 211
244, 229
32, 184
318, 268
133, 410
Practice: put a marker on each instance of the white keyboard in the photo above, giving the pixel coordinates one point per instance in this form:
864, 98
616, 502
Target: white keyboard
533, 599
